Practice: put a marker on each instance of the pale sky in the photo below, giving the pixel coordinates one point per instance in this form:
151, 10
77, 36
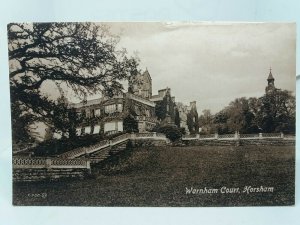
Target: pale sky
212, 63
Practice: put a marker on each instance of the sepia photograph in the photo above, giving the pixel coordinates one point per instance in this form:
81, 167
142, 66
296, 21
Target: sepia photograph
153, 114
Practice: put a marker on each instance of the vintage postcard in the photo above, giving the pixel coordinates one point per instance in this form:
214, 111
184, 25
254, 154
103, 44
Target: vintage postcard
153, 113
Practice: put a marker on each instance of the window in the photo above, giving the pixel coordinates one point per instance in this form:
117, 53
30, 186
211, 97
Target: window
147, 112
87, 130
113, 126
96, 129
110, 108
109, 126
88, 113
146, 94
97, 112
120, 107
120, 126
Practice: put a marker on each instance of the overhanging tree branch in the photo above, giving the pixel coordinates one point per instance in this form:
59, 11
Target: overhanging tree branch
82, 55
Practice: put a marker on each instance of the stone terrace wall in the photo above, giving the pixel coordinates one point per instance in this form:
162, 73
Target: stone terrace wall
241, 142
147, 143
34, 169
36, 174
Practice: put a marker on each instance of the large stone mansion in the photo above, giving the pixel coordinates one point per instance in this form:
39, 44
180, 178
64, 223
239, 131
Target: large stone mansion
137, 110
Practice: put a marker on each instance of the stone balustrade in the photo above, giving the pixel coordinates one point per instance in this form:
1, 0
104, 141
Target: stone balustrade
238, 136
272, 135
109, 143
121, 138
249, 136
152, 135
67, 159
146, 118
49, 163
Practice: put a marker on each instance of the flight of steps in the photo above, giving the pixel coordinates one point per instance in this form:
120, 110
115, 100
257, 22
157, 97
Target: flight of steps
118, 148
106, 152
100, 155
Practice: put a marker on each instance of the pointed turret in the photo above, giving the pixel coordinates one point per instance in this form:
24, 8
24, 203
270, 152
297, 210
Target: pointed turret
270, 77
271, 86
141, 85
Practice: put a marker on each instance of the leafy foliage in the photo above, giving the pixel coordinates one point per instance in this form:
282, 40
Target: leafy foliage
80, 56
278, 112
177, 118
21, 124
171, 132
130, 124
273, 112
53, 147
206, 122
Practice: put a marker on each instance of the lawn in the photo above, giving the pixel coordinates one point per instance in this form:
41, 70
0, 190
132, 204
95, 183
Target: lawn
160, 176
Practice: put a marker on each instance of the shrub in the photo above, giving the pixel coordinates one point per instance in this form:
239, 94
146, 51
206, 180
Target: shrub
171, 132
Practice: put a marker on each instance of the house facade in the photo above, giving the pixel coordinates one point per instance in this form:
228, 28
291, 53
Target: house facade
165, 106
135, 111
107, 115
188, 117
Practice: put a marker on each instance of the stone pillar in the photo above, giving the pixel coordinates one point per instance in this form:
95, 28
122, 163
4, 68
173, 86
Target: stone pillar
260, 136
48, 163
236, 135
198, 136
216, 135
281, 135
88, 166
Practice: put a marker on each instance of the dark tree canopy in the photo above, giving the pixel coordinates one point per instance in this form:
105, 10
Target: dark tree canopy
130, 124
177, 118
278, 112
273, 112
172, 132
206, 122
82, 56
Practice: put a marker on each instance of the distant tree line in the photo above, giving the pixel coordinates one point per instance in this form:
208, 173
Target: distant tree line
273, 112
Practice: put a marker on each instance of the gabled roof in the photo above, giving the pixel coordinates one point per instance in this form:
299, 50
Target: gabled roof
147, 74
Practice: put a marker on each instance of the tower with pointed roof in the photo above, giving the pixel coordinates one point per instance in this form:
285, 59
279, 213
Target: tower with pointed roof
271, 86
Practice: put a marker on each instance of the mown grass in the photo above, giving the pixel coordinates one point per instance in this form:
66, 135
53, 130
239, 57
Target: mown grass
158, 176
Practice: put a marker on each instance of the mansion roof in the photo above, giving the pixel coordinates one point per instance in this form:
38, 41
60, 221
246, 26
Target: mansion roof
101, 100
